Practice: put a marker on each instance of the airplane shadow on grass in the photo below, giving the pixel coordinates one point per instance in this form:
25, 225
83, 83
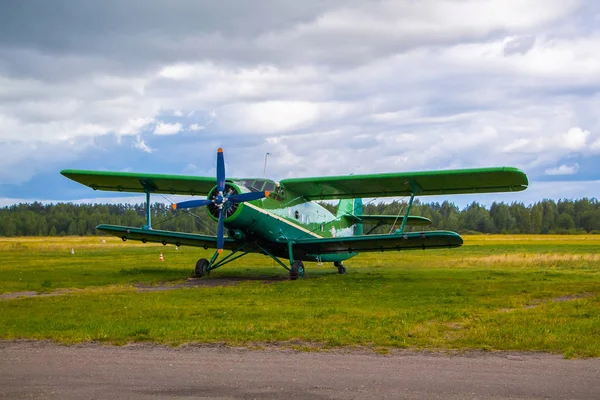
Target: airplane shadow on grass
225, 279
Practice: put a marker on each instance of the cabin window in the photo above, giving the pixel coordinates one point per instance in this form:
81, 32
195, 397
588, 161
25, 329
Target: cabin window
246, 183
269, 186
257, 186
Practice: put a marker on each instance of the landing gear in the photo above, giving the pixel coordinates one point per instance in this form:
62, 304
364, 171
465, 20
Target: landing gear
340, 267
204, 266
297, 270
201, 268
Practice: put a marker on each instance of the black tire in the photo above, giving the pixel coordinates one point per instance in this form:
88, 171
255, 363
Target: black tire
201, 268
340, 267
297, 270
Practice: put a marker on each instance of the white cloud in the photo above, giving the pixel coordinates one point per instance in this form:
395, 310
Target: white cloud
196, 127
134, 126
575, 139
269, 117
563, 170
177, 71
164, 128
140, 144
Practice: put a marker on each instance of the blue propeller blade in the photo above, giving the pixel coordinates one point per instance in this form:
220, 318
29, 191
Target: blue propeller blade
191, 204
220, 170
239, 198
221, 201
220, 228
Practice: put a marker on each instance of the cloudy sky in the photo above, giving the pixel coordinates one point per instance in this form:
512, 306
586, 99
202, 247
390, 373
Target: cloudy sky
327, 87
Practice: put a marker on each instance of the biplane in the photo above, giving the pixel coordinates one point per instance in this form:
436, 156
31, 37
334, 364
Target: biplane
284, 220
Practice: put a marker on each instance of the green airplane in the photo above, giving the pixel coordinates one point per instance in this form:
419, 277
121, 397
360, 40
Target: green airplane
281, 219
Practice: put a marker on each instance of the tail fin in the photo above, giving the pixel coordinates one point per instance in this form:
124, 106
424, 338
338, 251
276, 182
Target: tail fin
348, 208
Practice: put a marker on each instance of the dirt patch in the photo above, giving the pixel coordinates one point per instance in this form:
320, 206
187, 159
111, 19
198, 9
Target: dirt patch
573, 297
535, 303
163, 286
14, 295
204, 282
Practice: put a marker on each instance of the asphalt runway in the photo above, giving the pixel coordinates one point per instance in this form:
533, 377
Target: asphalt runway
41, 370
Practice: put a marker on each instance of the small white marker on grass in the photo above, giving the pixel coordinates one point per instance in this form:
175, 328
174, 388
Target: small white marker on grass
72, 251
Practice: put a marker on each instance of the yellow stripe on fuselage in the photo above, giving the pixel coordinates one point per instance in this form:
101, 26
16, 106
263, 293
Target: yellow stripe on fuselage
277, 217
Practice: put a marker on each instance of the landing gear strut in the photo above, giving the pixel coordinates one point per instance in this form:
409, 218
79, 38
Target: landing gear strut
340, 267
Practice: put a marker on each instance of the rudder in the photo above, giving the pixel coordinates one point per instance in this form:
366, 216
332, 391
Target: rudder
351, 207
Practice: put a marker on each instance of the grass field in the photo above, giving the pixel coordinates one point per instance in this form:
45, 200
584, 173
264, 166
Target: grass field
518, 292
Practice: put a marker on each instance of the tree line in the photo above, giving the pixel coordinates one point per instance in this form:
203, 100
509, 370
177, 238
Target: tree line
546, 216
37, 219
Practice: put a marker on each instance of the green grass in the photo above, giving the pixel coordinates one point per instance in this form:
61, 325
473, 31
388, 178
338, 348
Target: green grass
494, 293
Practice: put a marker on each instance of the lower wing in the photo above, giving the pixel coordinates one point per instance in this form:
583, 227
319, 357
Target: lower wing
166, 237
391, 242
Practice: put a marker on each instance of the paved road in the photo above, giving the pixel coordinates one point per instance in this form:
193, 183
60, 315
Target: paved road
45, 371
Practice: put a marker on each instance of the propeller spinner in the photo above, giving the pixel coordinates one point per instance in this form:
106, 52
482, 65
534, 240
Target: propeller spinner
220, 199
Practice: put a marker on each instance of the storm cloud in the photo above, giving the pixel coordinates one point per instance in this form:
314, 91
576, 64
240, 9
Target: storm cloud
327, 87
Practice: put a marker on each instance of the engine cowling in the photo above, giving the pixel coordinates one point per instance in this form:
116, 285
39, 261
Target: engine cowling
229, 208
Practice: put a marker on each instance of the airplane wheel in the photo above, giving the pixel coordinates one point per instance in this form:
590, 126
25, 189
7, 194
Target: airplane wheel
340, 267
201, 268
297, 270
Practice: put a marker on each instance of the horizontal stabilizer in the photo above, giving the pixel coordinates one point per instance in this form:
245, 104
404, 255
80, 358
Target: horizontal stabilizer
393, 219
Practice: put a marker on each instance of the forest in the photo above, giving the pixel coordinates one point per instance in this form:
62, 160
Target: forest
546, 216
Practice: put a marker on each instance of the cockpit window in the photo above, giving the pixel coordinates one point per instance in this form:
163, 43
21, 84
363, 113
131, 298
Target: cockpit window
257, 185
247, 183
269, 186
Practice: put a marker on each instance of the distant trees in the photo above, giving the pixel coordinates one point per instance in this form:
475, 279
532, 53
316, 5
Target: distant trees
546, 216
37, 219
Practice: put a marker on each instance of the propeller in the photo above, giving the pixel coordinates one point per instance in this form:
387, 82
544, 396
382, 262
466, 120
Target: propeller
221, 199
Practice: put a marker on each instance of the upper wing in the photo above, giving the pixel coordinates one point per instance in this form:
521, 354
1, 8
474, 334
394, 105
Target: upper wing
136, 182
360, 244
480, 180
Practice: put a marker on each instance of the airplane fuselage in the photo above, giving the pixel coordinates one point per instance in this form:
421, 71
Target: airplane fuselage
283, 217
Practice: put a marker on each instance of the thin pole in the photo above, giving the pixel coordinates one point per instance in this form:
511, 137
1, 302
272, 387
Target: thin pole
265, 168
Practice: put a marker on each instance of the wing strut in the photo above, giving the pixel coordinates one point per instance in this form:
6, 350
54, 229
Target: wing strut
148, 187
415, 189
